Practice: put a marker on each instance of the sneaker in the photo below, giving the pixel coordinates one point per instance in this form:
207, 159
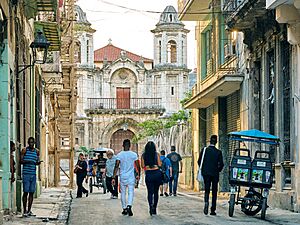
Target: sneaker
205, 210
175, 194
125, 212
87, 194
161, 195
130, 213
30, 214
115, 197
25, 214
213, 213
166, 194
170, 194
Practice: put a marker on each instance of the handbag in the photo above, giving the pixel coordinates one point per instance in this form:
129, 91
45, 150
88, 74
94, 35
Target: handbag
199, 175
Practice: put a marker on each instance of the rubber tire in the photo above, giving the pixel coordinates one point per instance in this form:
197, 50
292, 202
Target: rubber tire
251, 213
231, 205
91, 185
263, 208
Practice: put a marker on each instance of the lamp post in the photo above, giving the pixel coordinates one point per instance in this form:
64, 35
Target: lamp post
40, 44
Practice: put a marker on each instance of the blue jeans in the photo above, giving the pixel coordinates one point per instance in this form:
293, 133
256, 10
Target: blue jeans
29, 183
173, 183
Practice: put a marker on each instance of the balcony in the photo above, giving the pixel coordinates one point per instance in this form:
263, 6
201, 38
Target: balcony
224, 82
193, 10
125, 105
243, 14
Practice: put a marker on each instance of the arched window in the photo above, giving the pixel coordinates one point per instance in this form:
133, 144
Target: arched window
172, 52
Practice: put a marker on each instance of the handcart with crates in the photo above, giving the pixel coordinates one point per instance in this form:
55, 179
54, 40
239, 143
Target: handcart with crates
256, 174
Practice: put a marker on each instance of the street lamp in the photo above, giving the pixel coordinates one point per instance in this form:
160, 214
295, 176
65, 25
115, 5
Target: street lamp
40, 44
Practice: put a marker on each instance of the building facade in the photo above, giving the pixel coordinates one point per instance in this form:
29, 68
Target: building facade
265, 90
122, 89
23, 88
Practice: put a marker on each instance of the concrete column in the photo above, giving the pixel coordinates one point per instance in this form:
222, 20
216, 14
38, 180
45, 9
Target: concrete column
296, 130
5, 125
163, 92
164, 47
86, 133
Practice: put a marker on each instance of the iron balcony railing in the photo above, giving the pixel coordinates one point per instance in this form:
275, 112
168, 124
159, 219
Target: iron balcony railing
125, 103
232, 6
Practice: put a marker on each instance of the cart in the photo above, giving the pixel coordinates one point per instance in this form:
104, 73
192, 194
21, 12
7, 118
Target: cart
96, 171
256, 174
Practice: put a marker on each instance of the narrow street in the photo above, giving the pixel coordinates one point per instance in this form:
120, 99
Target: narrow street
100, 209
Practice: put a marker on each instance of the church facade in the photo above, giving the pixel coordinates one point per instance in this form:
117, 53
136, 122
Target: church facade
119, 89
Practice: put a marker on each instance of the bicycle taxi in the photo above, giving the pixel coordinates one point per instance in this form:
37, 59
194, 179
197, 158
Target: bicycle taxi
256, 174
97, 169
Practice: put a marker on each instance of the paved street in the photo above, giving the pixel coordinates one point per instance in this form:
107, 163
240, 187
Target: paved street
99, 209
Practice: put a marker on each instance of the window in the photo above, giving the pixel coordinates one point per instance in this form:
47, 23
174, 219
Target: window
76, 141
159, 52
172, 90
206, 53
171, 18
87, 51
172, 52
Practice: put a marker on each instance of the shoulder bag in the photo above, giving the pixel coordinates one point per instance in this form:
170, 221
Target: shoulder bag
199, 175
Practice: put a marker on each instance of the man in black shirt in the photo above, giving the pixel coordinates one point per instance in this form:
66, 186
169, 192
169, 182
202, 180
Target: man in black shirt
211, 167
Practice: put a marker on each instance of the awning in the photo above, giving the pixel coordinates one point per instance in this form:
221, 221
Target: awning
51, 32
194, 10
254, 136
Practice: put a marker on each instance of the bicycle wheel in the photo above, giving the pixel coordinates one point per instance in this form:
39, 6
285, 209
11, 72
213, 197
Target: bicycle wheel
231, 205
251, 204
263, 208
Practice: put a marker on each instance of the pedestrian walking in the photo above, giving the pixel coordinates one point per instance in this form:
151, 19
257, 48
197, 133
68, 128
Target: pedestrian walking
126, 160
109, 172
29, 158
151, 163
175, 159
81, 173
211, 167
167, 170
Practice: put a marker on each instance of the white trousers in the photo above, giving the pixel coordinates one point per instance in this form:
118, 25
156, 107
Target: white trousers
124, 187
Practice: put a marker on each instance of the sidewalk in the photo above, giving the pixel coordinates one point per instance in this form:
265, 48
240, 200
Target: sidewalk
275, 215
52, 207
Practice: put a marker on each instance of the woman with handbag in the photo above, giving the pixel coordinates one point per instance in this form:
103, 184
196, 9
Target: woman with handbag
151, 163
81, 172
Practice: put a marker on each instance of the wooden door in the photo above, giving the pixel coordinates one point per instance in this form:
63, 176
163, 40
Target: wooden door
116, 141
123, 98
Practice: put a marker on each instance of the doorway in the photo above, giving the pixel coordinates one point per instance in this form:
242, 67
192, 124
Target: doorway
116, 141
123, 98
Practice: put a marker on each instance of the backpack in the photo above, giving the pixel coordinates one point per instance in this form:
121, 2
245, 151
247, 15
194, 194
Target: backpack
165, 178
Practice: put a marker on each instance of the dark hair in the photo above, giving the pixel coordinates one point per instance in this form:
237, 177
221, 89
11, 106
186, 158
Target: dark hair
12, 143
150, 156
30, 138
126, 142
173, 148
213, 139
162, 152
81, 154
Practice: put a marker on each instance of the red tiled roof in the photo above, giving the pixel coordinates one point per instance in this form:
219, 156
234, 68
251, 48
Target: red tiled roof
112, 53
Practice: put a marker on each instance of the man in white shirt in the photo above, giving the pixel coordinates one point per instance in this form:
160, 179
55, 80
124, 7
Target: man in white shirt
126, 160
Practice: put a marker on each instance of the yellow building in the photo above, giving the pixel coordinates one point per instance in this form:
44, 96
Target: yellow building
217, 101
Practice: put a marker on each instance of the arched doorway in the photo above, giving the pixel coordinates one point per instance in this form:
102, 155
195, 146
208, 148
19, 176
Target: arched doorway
117, 139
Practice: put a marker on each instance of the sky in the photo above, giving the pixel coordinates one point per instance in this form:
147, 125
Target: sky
128, 24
